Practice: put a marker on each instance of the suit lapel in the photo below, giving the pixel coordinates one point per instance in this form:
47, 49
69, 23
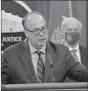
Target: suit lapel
28, 62
80, 52
50, 56
83, 55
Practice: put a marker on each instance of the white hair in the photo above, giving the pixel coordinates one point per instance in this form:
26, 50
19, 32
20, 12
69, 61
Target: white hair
69, 20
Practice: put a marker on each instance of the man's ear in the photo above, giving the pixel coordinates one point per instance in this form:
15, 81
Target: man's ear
26, 33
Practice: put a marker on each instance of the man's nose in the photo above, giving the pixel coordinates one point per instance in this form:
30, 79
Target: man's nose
41, 33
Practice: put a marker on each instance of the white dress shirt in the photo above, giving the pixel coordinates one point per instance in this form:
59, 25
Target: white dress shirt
35, 57
77, 51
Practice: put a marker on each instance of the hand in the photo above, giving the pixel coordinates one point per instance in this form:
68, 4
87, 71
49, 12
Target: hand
56, 36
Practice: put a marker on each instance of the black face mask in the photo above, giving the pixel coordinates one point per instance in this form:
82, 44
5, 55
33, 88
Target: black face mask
72, 38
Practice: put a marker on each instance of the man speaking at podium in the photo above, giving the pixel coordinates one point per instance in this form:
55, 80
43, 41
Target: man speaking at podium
37, 60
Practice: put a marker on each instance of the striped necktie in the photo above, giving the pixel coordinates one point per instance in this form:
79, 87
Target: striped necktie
40, 68
74, 54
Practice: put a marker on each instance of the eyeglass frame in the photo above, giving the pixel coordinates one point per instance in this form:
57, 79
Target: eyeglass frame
36, 33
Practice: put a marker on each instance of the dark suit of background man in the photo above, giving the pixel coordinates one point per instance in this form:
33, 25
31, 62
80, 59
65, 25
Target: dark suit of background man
20, 62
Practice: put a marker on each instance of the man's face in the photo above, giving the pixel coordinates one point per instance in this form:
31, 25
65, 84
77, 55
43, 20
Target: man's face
37, 30
72, 33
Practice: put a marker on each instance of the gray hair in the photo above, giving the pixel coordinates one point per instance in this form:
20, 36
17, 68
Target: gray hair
68, 20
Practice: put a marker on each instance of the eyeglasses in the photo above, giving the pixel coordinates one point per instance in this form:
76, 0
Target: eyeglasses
37, 31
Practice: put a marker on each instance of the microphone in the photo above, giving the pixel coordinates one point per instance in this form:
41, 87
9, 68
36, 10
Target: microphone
51, 67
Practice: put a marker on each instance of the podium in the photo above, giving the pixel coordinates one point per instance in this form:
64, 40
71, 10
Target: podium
78, 86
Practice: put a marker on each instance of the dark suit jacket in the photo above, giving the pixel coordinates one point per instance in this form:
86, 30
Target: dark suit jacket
83, 54
17, 65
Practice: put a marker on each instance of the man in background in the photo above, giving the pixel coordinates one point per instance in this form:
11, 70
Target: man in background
37, 60
71, 29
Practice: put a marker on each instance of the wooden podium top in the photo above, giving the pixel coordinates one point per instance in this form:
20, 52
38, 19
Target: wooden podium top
78, 86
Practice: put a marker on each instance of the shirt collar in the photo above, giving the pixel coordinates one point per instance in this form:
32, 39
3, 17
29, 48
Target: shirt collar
43, 49
76, 48
33, 50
